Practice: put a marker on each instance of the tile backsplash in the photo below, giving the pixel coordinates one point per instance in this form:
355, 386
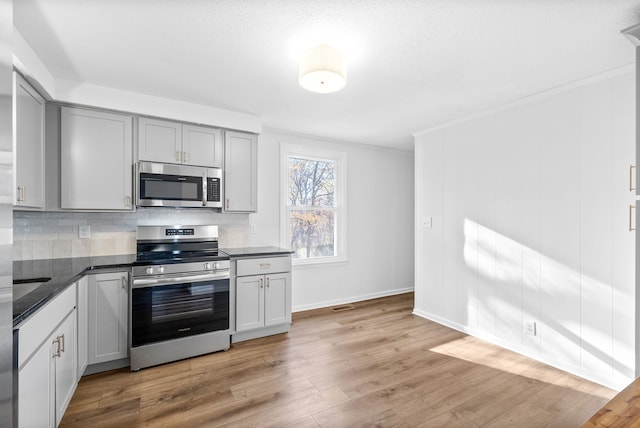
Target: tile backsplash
47, 235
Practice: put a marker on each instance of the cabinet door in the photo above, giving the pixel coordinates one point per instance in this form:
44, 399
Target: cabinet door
159, 141
240, 172
108, 315
83, 322
66, 366
277, 299
201, 146
29, 146
35, 390
249, 302
96, 160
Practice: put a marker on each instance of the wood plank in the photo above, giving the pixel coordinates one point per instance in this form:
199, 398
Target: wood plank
374, 365
622, 411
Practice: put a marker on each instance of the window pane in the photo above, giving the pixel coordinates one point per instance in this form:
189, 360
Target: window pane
311, 182
312, 233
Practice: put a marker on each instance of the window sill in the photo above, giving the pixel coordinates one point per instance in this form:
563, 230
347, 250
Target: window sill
314, 263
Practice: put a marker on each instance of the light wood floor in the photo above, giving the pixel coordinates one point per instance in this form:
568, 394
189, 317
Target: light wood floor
373, 365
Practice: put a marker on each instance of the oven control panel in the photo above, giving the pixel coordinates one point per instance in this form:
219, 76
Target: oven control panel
179, 232
181, 268
154, 270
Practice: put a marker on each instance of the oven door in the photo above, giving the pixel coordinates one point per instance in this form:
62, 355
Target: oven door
172, 307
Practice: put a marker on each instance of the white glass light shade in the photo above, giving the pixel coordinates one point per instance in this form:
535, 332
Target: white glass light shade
323, 70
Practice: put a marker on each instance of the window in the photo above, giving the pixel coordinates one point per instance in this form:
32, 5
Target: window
314, 206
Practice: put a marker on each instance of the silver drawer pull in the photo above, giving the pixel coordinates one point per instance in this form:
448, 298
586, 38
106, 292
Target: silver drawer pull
58, 351
265, 265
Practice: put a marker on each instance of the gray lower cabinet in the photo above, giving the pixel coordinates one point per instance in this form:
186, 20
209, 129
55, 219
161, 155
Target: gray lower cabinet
83, 323
47, 362
108, 317
263, 297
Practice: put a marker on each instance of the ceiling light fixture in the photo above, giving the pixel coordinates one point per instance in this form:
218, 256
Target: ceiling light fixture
323, 69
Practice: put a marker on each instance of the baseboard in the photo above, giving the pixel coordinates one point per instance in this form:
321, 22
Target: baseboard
352, 299
104, 367
260, 332
613, 383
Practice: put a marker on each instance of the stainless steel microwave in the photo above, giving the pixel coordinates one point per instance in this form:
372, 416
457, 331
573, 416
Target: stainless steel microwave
171, 185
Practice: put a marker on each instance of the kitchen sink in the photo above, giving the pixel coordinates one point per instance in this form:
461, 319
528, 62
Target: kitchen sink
22, 287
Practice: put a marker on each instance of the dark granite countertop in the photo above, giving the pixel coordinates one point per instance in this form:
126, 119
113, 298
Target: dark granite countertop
63, 272
256, 251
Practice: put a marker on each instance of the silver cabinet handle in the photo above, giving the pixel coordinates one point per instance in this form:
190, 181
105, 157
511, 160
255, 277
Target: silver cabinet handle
185, 156
127, 201
261, 283
631, 226
631, 186
58, 351
123, 282
265, 265
178, 156
62, 341
227, 207
21, 193
267, 282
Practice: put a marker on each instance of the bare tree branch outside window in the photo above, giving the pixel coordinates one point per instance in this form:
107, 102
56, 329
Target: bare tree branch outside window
311, 204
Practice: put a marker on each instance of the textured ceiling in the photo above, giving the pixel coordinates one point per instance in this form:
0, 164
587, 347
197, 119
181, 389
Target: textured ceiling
412, 64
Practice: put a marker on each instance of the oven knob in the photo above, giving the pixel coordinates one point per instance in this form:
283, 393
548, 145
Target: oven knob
216, 265
161, 269
149, 270
207, 266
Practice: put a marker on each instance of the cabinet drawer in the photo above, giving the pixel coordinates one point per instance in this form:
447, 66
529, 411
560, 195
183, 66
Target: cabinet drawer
246, 267
38, 327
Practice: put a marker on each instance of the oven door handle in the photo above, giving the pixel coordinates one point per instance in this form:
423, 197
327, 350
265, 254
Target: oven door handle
151, 282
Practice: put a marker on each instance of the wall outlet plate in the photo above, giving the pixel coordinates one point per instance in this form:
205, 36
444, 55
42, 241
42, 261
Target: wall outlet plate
530, 328
84, 232
427, 222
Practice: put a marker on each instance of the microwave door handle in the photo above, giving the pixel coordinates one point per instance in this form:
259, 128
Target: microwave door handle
204, 189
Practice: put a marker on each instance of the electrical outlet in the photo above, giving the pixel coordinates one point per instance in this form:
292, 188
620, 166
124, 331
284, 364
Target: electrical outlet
84, 232
427, 222
530, 328
252, 228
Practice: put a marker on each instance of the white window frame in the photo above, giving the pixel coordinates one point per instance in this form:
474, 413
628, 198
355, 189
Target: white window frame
340, 158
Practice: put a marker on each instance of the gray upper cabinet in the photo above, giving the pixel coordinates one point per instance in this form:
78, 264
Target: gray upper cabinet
240, 172
173, 142
29, 146
202, 146
159, 141
96, 160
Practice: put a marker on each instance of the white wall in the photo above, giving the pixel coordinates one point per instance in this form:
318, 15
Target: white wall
530, 224
380, 247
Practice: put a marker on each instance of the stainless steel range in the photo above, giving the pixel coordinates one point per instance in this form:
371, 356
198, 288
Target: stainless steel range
181, 305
